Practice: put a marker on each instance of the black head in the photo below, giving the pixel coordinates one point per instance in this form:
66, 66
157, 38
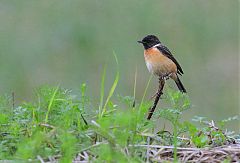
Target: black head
149, 41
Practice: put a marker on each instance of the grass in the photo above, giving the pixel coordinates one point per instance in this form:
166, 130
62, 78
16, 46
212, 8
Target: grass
60, 125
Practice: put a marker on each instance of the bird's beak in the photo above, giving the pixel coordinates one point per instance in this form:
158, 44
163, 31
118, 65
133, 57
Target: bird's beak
140, 42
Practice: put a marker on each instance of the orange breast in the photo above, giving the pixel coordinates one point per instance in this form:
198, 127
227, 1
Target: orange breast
158, 63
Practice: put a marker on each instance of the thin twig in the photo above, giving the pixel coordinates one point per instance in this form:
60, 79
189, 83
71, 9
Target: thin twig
47, 125
166, 147
40, 159
158, 95
148, 149
84, 120
93, 146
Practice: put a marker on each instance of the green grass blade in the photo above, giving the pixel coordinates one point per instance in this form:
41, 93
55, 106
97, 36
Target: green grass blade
145, 91
140, 110
83, 90
83, 97
51, 103
134, 88
112, 88
102, 92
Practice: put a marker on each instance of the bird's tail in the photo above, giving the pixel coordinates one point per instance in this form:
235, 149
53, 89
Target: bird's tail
180, 85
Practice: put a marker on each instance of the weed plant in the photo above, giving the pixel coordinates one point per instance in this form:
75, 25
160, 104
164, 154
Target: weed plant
61, 125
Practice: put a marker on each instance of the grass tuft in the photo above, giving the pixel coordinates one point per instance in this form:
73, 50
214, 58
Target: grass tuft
59, 125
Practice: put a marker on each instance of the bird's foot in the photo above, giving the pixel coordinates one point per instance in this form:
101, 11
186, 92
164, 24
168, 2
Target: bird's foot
167, 76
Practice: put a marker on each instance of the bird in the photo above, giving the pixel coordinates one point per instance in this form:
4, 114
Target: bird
160, 61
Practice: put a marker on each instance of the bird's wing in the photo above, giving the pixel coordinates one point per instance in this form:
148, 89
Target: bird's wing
165, 51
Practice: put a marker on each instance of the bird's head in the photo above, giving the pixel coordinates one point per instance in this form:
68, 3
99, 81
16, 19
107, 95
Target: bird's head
149, 41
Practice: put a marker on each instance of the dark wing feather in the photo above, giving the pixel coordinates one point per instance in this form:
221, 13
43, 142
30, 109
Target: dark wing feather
168, 54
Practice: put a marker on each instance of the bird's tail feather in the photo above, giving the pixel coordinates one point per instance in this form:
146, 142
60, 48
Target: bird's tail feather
180, 85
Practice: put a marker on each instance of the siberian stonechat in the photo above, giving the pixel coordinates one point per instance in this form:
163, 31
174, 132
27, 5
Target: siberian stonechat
160, 61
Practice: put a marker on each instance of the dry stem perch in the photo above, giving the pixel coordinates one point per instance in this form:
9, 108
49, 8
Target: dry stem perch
158, 95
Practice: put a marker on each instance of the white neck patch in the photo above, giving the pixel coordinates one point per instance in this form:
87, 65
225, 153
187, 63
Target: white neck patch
156, 45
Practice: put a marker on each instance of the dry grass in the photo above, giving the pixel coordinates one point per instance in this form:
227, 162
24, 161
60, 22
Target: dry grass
157, 153
216, 154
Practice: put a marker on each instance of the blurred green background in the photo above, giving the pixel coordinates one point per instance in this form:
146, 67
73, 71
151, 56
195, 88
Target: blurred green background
69, 42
